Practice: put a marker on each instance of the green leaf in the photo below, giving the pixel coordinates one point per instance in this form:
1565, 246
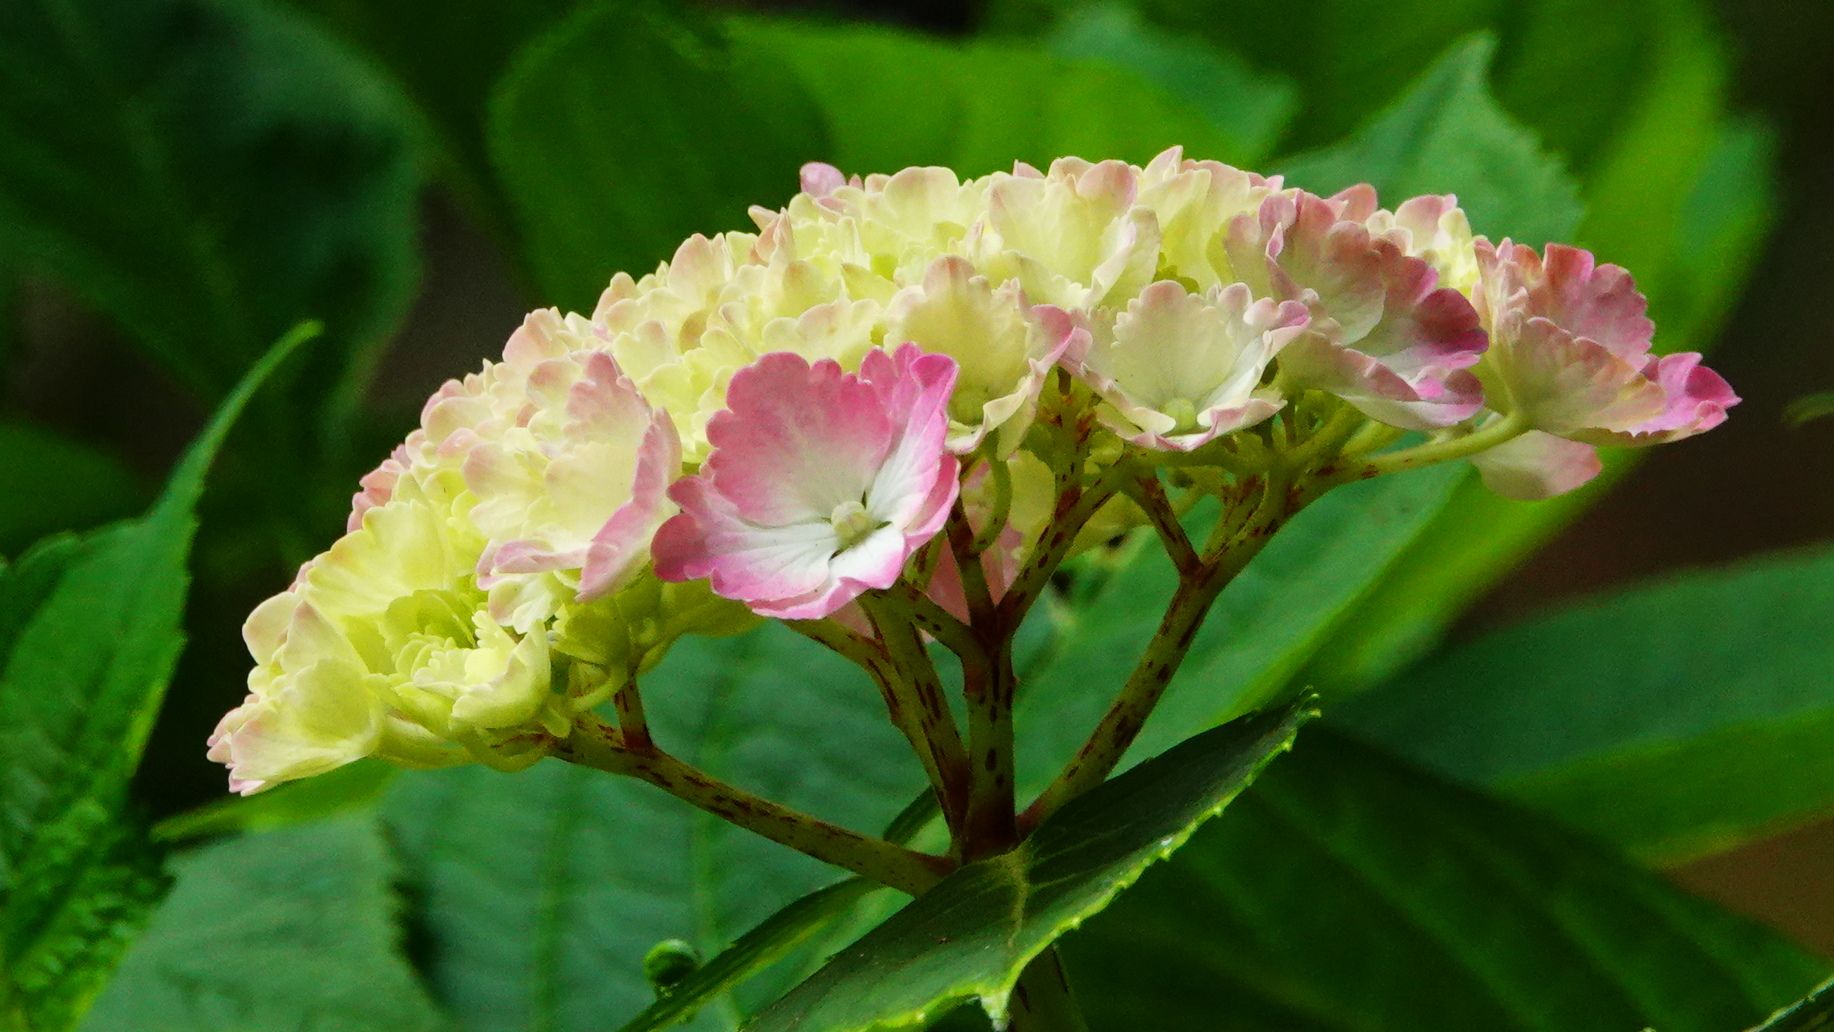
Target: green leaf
447, 64
985, 105
1347, 890
206, 174
1813, 1013
1265, 625
755, 951
1568, 68
1809, 408
1448, 135
543, 890
1250, 108
92, 486
356, 787
626, 129
89, 632
1674, 719
275, 932
973, 933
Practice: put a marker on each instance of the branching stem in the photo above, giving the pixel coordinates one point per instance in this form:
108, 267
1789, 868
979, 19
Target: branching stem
914, 698
1190, 603
633, 727
593, 744
1500, 430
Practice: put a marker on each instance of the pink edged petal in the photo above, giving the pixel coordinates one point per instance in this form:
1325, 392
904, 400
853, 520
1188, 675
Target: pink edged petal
619, 547
378, 485
1537, 465
1355, 203
1568, 385
821, 484
510, 558
796, 439
1181, 369
1695, 400
1598, 302
320, 718
820, 179
576, 484
1005, 348
1379, 391
1572, 351
999, 565
1385, 337
915, 385
679, 550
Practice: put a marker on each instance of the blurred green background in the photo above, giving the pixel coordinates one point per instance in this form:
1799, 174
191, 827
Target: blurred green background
180, 181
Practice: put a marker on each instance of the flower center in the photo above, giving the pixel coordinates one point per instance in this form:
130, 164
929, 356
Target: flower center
852, 522
1183, 412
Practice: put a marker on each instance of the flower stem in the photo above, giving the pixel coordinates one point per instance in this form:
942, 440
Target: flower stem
1002, 506
962, 543
988, 686
1498, 431
1149, 494
914, 699
1190, 603
593, 744
633, 727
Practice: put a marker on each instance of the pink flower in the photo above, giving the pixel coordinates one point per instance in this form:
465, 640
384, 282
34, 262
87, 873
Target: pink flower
820, 484
1571, 352
580, 485
1383, 335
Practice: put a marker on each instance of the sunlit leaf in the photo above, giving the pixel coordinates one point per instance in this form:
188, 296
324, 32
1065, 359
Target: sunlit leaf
89, 632
273, 932
972, 935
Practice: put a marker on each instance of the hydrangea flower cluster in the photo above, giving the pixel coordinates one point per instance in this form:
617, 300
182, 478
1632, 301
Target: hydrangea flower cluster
892, 411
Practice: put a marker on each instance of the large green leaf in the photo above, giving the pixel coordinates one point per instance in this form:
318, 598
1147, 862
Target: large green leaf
1673, 719
92, 487
1250, 108
754, 951
1266, 624
205, 173
972, 935
983, 105
543, 890
89, 631
1813, 1013
1568, 67
355, 788
1447, 135
626, 129
1349, 891
446, 64
275, 932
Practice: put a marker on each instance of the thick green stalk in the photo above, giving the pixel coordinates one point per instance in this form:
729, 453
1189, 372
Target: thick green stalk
988, 686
